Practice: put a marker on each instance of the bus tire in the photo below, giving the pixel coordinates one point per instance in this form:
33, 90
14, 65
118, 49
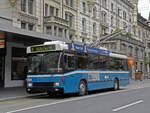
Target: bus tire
82, 88
116, 84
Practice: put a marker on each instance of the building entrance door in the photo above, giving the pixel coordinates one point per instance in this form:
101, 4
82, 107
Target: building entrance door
1, 71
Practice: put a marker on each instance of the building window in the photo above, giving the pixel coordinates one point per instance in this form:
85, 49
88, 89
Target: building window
66, 16
141, 66
148, 45
51, 11
30, 6
46, 9
104, 31
83, 40
129, 28
55, 30
94, 28
70, 37
104, 3
71, 3
112, 20
23, 5
84, 7
67, 2
94, 12
134, 30
124, 26
69, 17
49, 30
136, 66
130, 20
30, 27
57, 12
142, 54
23, 25
139, 33
123, 47
124, 15
19, 64
112, 6
83, 25
130, 51
70, 20
118, 23
136, 52
65, 33
60, 32
112, 31
119, 12
143, 35
104, 17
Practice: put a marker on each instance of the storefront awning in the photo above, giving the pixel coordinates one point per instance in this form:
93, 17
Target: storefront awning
34, 34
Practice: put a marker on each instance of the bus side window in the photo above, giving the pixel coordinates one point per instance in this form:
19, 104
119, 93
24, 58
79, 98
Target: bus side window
69, 62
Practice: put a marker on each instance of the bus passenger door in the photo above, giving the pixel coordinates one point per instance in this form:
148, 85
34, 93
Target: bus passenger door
69, 65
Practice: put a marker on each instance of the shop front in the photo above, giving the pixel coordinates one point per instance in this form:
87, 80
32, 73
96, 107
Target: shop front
16, 59
1, 71
2, 57
13, 58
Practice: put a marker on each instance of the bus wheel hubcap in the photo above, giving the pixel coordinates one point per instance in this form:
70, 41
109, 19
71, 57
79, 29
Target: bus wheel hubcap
82, 88
116, 85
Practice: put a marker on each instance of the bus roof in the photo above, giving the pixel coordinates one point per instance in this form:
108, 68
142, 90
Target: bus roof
59, 46
118, 56
48, 46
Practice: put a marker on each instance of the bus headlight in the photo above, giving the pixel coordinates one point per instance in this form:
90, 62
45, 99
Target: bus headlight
57, 84
30, 84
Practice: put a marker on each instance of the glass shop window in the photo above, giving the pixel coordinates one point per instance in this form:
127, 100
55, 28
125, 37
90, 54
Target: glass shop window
19, 64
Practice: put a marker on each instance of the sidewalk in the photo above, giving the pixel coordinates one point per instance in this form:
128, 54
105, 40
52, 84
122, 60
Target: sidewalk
15, 93
138, 84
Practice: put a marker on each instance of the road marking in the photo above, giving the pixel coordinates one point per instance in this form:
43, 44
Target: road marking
78, 98
128, 105
21, 101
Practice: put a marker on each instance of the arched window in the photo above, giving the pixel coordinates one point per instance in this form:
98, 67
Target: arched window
84, 24
94, 12
123, 47
94, 28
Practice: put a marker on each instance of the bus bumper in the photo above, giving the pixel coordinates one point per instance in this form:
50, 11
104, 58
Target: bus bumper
43, 90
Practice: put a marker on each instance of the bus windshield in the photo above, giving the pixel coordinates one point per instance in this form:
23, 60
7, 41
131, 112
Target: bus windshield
45, 63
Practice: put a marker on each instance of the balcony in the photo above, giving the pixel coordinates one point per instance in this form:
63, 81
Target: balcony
23, 16
57, 20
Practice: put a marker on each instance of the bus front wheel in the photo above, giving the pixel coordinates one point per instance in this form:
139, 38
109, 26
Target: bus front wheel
116, 84
82, 88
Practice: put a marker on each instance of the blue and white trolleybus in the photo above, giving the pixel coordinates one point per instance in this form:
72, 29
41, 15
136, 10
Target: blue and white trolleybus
59, 67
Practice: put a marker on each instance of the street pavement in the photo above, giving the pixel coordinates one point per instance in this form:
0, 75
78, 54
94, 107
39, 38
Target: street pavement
134, 96
131, 101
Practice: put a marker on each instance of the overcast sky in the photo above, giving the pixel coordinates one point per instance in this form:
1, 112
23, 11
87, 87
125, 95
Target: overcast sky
144, 8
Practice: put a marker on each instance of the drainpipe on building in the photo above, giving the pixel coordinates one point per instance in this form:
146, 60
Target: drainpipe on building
43, 15
62, 8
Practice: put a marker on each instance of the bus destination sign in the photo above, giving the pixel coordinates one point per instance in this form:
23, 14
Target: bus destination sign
43, 48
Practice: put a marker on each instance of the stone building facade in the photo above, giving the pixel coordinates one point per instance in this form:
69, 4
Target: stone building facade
144, 34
